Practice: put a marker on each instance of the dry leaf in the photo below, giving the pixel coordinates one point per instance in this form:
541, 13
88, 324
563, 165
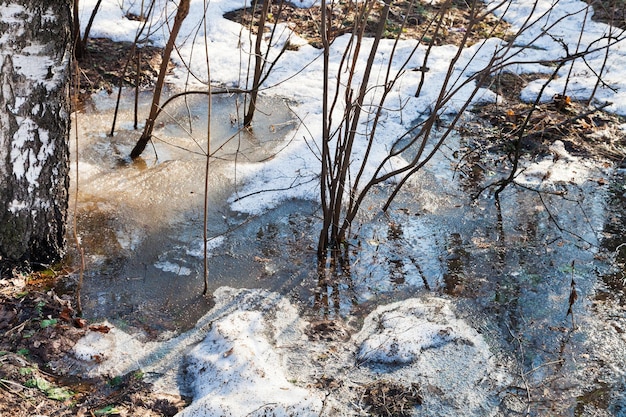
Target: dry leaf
80, 323
66, 315
101, 328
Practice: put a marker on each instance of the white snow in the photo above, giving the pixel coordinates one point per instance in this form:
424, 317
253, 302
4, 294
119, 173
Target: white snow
198, 250
238, 370
430, 345
560, 167
116, 348
401, 339
549, 26
249, 355
168, 266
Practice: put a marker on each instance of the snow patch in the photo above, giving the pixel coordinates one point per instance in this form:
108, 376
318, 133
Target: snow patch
560, 167
212, 244
252, 355
117, 349
238, 371
423, 341
167, 266
15, 206
401, 339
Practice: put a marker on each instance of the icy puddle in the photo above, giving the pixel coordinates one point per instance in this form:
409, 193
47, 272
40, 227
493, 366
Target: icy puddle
140, 222
457, 307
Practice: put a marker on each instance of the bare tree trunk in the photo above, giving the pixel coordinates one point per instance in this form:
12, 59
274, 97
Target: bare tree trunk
34, 129
92, 17
258, 64
335, 168
181, 14
77, 40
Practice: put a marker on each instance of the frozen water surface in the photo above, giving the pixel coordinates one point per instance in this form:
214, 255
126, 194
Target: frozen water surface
140, 222
466, 302
481, 322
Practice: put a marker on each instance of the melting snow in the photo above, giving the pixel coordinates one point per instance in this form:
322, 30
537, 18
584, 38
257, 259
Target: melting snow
560, 167
252, 355
168, 266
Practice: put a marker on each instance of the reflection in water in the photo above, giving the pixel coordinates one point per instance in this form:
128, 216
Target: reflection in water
334, 277
522, 270
140, 222
614, 242
456, 259
396, 265
507, 265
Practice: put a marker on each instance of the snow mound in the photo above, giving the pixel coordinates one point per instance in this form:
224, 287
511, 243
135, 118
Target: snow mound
254, 355
398, 335
113, 348
238, 371
422, 341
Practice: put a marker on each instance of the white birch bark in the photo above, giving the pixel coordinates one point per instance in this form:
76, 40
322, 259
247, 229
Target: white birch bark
34, 129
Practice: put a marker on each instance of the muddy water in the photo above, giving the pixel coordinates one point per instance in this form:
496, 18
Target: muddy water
536, 274
140, 222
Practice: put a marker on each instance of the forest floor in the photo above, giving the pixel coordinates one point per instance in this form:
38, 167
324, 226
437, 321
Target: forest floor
38, 325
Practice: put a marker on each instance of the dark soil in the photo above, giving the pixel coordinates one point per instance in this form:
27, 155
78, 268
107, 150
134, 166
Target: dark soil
409, 20
612, 12
388, 399
38, 328
107, 64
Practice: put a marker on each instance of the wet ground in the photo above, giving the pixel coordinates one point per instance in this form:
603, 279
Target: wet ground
140, 223
539, 272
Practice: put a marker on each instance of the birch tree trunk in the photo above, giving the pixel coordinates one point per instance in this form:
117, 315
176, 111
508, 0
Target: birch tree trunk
34, 129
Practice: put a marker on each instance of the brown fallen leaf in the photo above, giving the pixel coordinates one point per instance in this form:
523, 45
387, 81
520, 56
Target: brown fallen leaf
101, 328
80, 323
66, 315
